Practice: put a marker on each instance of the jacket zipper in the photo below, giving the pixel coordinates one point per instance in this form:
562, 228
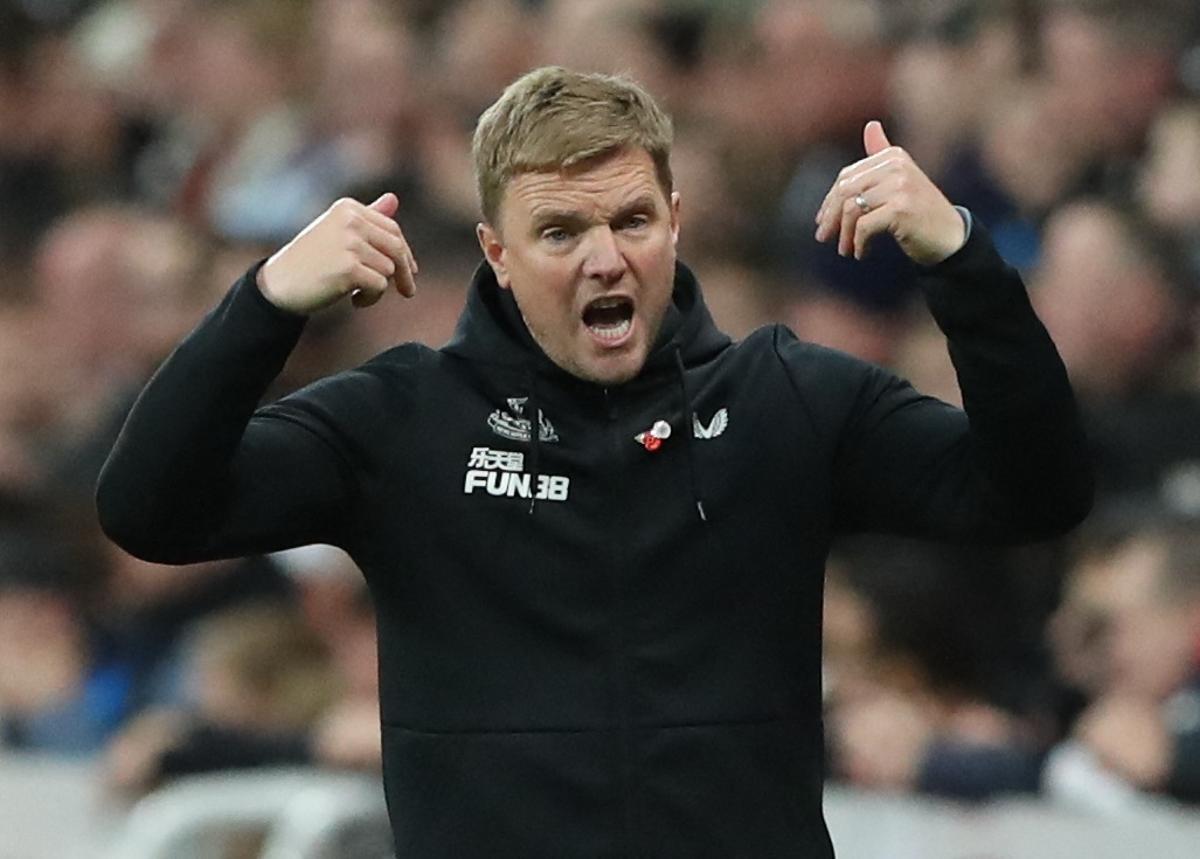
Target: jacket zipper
620, 619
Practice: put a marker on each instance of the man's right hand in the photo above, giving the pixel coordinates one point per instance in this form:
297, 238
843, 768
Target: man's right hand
351, 249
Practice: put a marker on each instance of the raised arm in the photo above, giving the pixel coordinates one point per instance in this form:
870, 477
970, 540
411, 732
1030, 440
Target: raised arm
1015, 465
197, 472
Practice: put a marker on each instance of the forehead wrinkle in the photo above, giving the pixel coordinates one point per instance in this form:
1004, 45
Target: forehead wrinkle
583, 205
613, 185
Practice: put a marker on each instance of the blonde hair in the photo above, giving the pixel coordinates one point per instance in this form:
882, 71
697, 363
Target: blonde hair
551, 118
275, 662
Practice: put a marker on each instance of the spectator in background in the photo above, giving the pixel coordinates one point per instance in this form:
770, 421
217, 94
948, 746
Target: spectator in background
233, 154
1079, 632
269, 685
147, 612
1111, 297
1167, 189
1118, 303
1020, 167
1110, 67
32, 191
112, 284
26, 404
929, 689
1141, 732
258, 680
954, 61
57, 692
337, 607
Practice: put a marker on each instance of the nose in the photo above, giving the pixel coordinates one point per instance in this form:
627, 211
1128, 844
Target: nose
604, 260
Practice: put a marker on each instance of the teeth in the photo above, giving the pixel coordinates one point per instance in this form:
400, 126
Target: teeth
612, 332
605, 303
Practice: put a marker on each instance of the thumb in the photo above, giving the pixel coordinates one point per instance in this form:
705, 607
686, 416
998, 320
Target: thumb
874, 140
387, 204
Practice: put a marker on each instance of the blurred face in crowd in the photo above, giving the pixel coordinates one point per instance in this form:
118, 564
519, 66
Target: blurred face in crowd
1111, 78
1154, 634
589, 253
1168, 187
42, 650
1107, 310
1080, 631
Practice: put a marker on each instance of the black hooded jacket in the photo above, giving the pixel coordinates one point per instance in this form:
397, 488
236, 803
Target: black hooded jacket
588, 647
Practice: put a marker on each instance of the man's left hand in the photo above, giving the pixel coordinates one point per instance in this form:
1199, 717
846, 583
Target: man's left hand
888, 192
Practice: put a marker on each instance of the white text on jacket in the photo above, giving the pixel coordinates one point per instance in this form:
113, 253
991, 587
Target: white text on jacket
501, 473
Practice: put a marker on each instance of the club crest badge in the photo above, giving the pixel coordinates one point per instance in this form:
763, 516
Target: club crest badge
515, 426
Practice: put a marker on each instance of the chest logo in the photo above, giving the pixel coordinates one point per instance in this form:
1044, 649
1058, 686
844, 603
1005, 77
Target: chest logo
716, 426
501, 473
514, 426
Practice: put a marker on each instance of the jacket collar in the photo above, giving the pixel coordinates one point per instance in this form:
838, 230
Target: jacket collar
491, 329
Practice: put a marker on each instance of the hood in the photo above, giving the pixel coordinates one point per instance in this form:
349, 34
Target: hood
492, 330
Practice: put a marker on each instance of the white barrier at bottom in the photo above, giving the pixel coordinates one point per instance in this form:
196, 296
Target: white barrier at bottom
52, 809
880, 826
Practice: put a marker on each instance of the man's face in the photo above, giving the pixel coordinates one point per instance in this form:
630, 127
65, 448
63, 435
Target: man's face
589, 253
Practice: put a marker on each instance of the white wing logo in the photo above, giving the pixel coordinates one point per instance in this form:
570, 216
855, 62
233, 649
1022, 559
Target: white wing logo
715, 427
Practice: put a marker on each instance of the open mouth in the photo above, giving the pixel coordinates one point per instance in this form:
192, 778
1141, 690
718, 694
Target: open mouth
609, 318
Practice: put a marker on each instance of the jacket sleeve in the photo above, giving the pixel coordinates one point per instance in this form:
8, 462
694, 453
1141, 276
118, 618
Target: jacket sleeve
197, 474
1012, 467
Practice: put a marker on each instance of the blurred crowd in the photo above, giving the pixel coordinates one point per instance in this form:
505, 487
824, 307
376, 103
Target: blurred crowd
152, 150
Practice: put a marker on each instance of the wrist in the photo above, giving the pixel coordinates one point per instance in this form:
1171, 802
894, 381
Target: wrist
267, 281
265, 286
957, 232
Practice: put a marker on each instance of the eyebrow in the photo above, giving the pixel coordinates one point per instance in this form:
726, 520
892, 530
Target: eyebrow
639, 204
572, 218
563, 217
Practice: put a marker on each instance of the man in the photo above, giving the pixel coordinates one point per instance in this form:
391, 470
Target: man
593, 527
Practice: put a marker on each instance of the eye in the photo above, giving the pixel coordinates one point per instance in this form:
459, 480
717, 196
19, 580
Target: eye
635, 222
555, 235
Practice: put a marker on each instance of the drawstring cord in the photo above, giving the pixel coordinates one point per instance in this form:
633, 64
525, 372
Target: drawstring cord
535, 439
689, 421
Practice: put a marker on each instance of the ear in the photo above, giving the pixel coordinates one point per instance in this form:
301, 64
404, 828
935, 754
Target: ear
675, 217
494, 251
